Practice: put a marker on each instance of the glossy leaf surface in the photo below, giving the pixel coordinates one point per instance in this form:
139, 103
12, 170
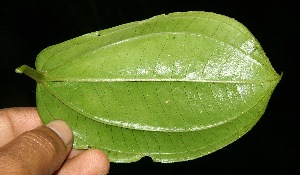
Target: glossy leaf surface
174, 87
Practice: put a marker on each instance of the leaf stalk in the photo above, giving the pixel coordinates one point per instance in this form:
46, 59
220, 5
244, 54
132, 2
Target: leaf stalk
34, 74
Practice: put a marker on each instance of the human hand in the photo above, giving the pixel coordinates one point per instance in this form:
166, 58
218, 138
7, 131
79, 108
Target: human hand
28, 147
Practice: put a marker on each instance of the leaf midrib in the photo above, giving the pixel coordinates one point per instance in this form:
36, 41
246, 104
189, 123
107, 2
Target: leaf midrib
99, 80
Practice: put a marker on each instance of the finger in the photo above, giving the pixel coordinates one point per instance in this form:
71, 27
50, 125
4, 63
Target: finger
14, 121
75, 152
40, 151
89, 162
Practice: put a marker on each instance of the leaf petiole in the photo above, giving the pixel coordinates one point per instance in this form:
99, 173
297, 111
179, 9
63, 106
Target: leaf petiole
34, 74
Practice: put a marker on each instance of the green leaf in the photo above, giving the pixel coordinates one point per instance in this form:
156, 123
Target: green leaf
173, 87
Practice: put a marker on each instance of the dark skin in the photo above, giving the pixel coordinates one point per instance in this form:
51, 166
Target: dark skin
29, 147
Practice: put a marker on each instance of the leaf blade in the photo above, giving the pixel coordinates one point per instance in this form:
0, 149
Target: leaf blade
174, 87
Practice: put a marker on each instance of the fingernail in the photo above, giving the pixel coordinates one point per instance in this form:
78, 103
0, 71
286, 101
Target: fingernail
62, 130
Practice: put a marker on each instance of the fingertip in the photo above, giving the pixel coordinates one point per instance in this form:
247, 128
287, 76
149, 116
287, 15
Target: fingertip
62, 130
39, 151
86, 163
99, 158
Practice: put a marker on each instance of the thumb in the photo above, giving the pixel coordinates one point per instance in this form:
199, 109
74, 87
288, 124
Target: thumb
39, 151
